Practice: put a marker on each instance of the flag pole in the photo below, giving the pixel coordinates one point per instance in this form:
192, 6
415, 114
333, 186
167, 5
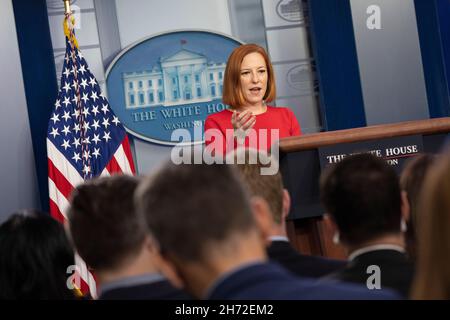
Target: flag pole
69, 23
67, 7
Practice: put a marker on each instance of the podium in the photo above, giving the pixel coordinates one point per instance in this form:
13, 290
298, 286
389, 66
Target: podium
300, 167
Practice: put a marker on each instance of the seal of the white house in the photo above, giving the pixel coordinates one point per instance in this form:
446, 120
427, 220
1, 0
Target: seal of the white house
290, 10
169, 81
300, 78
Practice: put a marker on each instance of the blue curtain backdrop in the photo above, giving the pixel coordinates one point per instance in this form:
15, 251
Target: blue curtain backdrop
332, 33
39, 77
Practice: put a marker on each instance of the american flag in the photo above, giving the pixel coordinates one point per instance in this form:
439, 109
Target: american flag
85, 139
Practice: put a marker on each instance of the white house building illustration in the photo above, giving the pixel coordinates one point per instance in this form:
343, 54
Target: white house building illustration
300, 78
185, 77
291, 7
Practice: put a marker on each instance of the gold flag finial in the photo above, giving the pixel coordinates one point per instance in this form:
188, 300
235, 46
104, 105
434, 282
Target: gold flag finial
67, 6
69, 23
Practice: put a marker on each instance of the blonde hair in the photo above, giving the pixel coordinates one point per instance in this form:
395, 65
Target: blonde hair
432, 280
268, 187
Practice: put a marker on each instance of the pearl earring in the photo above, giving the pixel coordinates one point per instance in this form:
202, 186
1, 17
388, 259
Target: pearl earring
403, 226
336, 238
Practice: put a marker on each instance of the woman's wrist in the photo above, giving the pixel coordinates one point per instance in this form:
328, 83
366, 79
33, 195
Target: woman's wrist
240, 134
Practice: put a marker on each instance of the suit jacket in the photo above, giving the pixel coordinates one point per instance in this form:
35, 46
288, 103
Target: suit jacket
302, 265
267, 281
396, 271
160, 290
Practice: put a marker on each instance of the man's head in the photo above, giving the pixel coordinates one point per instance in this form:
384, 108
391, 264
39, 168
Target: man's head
268, 187
362, 195
104, 226
196, 213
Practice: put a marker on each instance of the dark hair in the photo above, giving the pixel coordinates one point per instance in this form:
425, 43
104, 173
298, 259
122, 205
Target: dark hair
103, 222
411, 181
34, 256
232, 93
362, 194
188, 207
268, 187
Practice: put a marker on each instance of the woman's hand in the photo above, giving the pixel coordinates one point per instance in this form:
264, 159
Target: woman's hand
242, 121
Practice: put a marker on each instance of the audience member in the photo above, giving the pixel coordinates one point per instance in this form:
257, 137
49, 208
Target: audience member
270, 188
362, 197
113, 240
203, 221
411, 182
35, 255
432, 280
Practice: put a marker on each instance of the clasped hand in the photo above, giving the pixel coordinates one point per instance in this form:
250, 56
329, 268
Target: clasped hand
242, 121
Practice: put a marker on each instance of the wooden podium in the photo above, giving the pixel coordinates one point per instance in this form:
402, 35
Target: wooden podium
300, 167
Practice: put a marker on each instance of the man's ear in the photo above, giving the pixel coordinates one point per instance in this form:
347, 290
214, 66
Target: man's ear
286, 204
263, 216
331, 226
406, 208
171, 273
164, 264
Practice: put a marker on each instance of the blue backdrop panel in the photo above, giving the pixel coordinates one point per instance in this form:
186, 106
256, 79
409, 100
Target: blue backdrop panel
433, 24
443, 10
333, 41
39, 72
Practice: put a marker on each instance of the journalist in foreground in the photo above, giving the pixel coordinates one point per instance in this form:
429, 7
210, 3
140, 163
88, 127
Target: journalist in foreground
210, 236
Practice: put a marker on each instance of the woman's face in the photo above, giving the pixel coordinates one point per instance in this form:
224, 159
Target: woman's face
253, 78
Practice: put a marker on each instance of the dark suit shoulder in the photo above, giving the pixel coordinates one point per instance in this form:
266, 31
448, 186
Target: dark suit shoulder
160, 290
396, 271
302, 265
271, 282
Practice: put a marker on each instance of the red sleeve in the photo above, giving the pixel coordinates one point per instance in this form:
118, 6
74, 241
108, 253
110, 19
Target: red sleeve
210, 124
295, 126
215, 123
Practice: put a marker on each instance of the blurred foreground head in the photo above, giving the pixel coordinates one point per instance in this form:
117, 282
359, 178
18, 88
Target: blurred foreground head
34, 257
202, 219
250, 164
433, 263
104, 227
362, 195
412, 181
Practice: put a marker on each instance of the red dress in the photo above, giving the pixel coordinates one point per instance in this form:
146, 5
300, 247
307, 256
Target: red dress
278, 118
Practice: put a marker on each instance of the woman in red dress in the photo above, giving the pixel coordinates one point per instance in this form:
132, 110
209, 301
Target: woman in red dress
249, 84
